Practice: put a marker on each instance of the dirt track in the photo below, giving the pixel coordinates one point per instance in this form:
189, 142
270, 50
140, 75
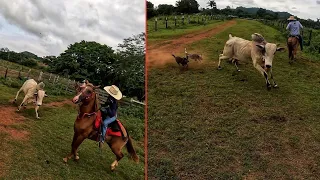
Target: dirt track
159, 55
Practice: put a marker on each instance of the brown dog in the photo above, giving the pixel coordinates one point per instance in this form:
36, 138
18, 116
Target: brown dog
181, 60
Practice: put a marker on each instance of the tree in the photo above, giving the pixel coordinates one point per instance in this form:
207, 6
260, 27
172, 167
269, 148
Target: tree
86, 60
187, 6
130, 66
261, 13
150, 10
165, 9
212, 4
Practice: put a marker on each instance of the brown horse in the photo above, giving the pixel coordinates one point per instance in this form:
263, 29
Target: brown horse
293, 43
84, 127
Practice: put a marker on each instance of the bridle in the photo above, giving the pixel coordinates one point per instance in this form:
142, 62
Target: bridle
87, 96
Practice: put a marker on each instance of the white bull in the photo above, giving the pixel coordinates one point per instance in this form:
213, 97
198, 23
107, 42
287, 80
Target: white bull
33, 93
260, 51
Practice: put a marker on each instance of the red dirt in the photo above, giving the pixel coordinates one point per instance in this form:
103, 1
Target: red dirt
59, 104
10, 117
157, 51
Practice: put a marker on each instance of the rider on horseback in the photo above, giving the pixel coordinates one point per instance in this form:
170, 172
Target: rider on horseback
294, 27
109, 108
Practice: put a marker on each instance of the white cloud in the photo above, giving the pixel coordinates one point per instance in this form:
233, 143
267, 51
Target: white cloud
48, 27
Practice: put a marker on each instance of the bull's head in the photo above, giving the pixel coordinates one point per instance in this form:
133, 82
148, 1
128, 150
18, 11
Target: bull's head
268, 50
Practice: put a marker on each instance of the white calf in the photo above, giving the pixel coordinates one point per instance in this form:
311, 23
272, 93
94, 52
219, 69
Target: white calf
33, 93
260, 51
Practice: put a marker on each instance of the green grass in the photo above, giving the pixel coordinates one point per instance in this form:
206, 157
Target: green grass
162, 33
50, 140
210, 124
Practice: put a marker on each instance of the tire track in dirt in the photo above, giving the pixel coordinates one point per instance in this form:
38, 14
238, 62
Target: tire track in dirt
159, 55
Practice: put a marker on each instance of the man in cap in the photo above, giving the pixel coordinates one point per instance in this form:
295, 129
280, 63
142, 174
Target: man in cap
294, 27
109, 108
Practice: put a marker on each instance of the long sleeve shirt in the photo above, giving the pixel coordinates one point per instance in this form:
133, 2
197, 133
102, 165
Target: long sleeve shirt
110, 107
294, 27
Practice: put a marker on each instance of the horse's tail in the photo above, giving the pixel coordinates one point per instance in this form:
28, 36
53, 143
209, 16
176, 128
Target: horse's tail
290, 49
131, 150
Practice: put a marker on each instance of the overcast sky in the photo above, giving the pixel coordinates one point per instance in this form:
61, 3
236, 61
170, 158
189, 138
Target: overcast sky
47, 27
302, 8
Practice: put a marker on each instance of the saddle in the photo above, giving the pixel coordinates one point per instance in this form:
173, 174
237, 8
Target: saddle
113, 129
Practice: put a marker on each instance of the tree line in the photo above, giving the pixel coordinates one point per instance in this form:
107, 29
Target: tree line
98, 63
192, 7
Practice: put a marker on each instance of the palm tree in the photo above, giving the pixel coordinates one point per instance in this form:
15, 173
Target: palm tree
212, 4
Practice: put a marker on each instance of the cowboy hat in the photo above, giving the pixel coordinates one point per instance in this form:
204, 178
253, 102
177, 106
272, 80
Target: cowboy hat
291, 18
113, 91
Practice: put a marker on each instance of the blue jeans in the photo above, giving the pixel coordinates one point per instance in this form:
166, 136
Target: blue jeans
105, 124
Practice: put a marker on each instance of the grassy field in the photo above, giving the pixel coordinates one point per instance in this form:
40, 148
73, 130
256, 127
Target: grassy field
210, 124
174, 32
38, 154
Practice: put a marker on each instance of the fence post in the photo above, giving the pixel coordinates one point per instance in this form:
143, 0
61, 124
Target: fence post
189, 19
67, 86
183, 19
19, 76
310, 34
28, 73
166, 22
175, 21
40, 76
155, 24
5, 75
50, 76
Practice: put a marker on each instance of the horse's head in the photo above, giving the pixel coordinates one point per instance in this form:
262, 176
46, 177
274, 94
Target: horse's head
85, 92
80, 86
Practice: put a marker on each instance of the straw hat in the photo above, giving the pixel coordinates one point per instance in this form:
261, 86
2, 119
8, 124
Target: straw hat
113, 91
291, 18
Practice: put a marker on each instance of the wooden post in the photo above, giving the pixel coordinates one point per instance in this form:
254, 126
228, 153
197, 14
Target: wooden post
67, 84
19, 76
50, 76
310, 34
189, 19
198, 20
155, 24
175, 21
166, 22
28, 73
183, 19
5, 75
40, 76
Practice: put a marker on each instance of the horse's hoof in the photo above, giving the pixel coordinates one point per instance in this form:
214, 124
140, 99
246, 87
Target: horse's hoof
269, 87
77, 158
65, 160
275, 86
219, 68
38, 117
238, 70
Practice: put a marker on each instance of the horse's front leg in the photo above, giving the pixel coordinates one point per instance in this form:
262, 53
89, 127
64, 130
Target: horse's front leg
77, 140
